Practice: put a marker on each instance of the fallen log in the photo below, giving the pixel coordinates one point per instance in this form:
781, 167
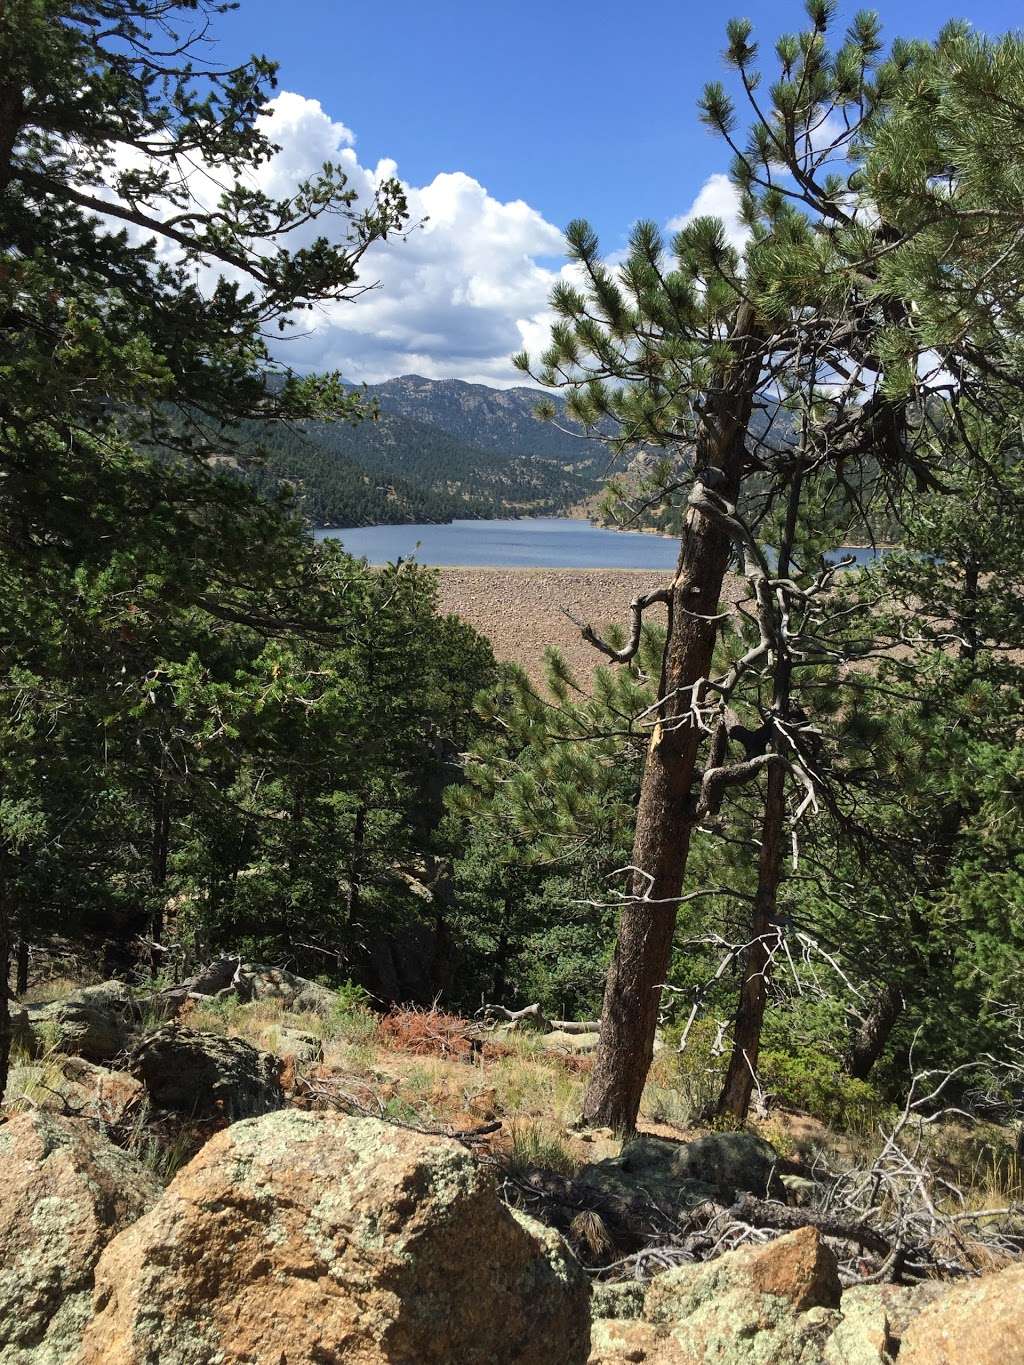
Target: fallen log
765, 1213
532, 1016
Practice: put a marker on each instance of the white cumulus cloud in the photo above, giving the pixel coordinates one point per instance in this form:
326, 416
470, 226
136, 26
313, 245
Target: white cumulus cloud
463, 290
455, 298
717, 198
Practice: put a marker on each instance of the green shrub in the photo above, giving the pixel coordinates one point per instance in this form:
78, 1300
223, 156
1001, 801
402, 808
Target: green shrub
351, 1016
683, 1086
812, 1081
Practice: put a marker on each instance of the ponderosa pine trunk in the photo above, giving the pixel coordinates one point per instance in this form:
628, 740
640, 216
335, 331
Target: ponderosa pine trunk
869, 1041
746, 1038
640, 962
21, 967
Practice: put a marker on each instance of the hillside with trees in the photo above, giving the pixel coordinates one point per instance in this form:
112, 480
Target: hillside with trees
398, 468
430, 450
258, 796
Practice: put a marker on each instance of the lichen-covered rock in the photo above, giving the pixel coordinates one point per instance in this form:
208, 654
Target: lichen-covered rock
206, 1074
772, 1304
318, 1238
621, 1299
743, 1329
980, 1322
71, 1084
65, 1192
719, 1165
95, 1022
305, 1048
798, 1268
900, 1304
863, 1337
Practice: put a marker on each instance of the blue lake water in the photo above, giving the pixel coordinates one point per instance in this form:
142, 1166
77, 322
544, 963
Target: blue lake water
530, 542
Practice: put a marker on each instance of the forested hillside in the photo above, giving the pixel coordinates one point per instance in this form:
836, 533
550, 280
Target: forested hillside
434, 450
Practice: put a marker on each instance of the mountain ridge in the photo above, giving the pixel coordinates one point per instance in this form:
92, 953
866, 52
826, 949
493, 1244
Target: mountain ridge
436, 449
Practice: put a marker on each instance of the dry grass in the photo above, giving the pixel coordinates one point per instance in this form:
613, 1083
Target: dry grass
42, 992
427, 1066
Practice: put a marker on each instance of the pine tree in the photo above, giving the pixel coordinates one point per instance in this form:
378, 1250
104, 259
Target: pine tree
682, 351
135, 323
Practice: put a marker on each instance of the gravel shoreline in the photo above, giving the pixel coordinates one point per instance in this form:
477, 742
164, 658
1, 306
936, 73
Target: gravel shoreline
521, 611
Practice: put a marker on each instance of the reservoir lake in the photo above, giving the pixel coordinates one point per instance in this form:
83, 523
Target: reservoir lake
527, 543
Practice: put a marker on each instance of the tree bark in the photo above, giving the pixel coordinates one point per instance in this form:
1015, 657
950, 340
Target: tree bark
5, 987
870, 1039
664, 813
22, 966
746, 1039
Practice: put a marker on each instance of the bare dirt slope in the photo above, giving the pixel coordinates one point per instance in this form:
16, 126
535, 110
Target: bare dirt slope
521, 611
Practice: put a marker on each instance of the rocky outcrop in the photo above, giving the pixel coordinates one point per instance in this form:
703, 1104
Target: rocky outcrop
780, 1304
66, 1191
314, 1237
296, 993
682, 1174
95, 1022
980, 1322
71, 1085
206, 1075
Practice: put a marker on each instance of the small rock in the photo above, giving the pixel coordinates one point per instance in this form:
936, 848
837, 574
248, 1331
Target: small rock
305, 1048
66, 1191
798, 1268
73, 1085
96, 1022
206, 1074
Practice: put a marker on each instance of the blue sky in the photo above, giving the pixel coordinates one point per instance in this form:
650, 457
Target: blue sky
573, 110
